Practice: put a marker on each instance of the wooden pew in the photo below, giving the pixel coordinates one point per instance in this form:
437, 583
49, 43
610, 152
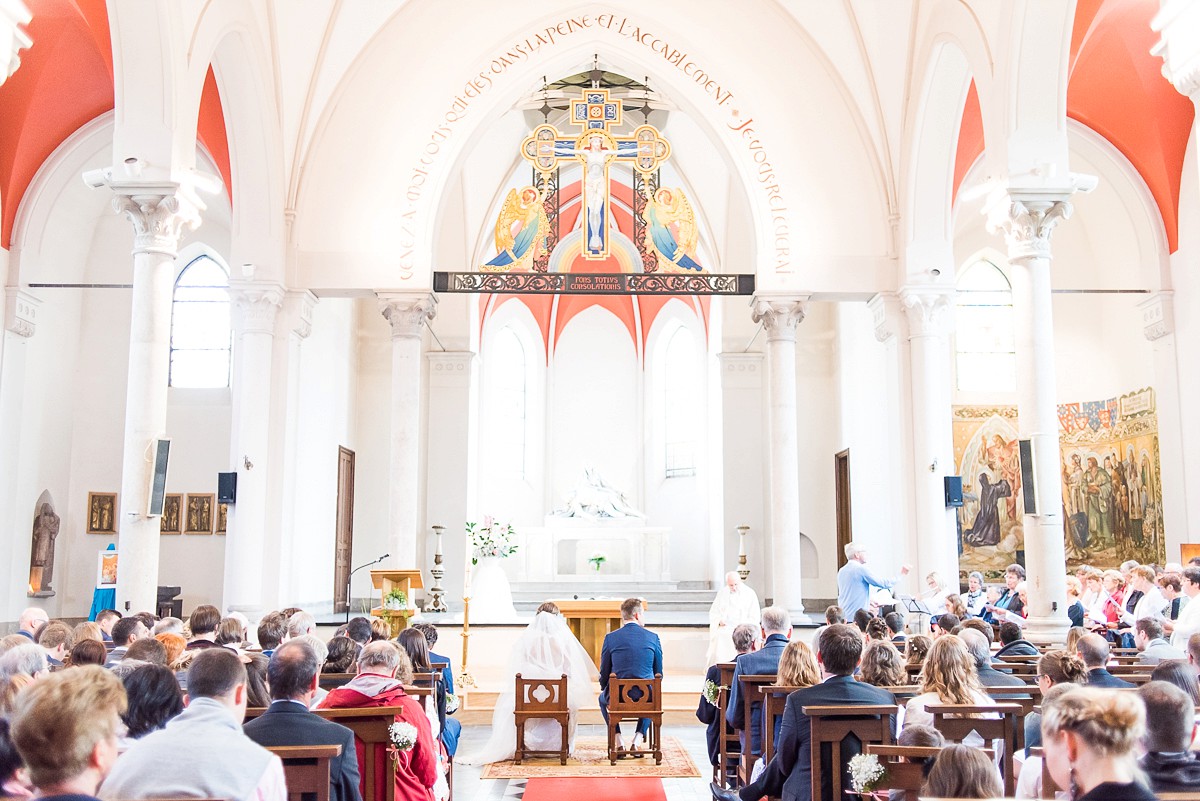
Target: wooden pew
749, 691
830, 725
306, 769
731, 746
774, 700
331, 681
902, 772
955, 722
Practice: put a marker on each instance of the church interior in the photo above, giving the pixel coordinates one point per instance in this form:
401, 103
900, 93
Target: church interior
964, 232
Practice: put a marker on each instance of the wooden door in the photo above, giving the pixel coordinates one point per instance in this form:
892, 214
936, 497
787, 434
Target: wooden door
841, 483
344, 534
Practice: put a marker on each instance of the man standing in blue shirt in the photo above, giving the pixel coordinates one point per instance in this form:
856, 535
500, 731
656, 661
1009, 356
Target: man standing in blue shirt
855, 580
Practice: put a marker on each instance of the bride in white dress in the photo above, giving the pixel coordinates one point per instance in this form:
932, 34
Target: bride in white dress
547, 649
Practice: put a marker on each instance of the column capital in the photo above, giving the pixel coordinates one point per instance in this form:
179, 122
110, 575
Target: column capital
255, 305
20, 312
927, 310
885, 311
159, 219
407, 311
299, 306
14, 16
1027, 219
1177, 23
779, 314
1158, 315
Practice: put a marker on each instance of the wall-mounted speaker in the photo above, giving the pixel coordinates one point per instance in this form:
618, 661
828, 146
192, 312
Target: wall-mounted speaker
226, 487
158, 479
954, 496
1028, 477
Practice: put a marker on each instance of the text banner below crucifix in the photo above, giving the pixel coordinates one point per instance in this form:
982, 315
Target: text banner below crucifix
595, 219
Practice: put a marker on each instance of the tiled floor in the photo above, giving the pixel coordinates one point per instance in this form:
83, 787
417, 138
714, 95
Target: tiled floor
469, 787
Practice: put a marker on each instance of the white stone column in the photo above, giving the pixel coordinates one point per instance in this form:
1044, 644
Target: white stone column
927, 310
1158, 326
780, 315
742, 472
452, 376
1027, 220
298, 313
20, 324
255, 305
158, 222
407, 313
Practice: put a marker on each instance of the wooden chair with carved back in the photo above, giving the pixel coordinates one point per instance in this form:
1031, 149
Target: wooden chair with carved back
541, 699
306, 769
634, 699
837, 734
731, 745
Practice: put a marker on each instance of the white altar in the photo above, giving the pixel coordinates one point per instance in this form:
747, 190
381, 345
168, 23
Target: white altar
559, 551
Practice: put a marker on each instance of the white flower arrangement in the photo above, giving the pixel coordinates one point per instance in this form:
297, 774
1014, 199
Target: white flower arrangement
451, 703
403, 735
865, 772
491, 539
712, 692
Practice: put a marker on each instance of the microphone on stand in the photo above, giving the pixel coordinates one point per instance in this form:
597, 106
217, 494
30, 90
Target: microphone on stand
351, 577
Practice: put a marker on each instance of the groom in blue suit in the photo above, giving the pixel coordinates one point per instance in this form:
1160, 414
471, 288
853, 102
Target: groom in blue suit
630, 652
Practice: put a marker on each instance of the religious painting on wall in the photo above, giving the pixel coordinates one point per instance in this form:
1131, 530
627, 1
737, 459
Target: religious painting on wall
171, 521
198, 513
106, 569
1111, 484
102, 513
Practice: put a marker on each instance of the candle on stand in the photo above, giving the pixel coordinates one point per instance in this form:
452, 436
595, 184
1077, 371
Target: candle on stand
467, 568
437, 538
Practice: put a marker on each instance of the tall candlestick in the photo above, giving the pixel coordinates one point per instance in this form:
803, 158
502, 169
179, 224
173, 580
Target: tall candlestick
467, 567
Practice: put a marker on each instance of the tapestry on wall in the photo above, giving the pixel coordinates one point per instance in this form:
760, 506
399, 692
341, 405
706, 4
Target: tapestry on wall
1111, 484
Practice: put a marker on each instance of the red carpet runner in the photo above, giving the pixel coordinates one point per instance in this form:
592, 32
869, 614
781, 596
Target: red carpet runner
606, 789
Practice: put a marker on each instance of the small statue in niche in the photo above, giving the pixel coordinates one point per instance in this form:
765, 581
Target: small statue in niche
41, 563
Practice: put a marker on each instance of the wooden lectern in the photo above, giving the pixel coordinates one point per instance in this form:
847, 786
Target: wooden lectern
591, 620
404, 580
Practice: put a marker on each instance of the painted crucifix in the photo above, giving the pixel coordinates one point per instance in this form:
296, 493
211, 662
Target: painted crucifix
596, 147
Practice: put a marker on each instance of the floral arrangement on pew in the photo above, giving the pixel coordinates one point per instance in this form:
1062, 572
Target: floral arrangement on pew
865, 775
491, 539
712, 692
404, 738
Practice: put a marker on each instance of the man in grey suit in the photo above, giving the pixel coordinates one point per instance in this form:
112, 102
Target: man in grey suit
293, 675
1153, 647
777, 630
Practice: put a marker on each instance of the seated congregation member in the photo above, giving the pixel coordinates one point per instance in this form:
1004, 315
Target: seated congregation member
87, 652
301, 623
359, 630
1148, 639
202, 751
257, 694
1074, 635
106, 619
1094, 651
777, 630
342, 653
937, 590
963, 772
798, 668
1009, 600
31, 621
383, 669
25, 658
948, 678
154, 698
203, 625
630, 652
789, 773
1188, 621
862, 619
65, 729
1012, 643
413, 643
1055, 669
87, 630
882, 665
1090, 737
56, 640
167, 625
230, 634
877, 629
453, 728
1075, 612
745, 640
14, 779
1169, 763
1171, 587
270, 633
294, 675
916, 649
944, 624
895, 624
977, 645
546, 650
1180, 673
148, 651
976, 596
124, 632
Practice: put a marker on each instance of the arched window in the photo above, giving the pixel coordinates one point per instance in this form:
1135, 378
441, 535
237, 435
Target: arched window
200, 330
508, 397
681, 398
985, 357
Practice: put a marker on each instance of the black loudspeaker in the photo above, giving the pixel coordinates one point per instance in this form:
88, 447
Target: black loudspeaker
953, 486
158, 480
1028, 477
226, 487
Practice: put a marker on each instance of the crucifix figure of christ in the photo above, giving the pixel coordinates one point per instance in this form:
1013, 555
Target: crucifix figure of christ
596, 147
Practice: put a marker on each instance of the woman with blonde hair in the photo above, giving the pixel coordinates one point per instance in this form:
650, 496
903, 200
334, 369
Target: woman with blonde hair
1090, 737
935, 597
881, 665
1074, 635
797, 667
963, 772
949, 677
88, 630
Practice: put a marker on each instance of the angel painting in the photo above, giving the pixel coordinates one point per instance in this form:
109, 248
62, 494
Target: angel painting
671, 229
521, 231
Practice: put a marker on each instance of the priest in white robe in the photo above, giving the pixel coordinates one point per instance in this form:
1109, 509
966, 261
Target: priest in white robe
735, 603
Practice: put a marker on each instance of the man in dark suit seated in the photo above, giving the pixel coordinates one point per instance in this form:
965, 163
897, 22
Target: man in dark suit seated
745, 640
293, 674
789, 774
1094, 650
981, 651
630, 652
777, 630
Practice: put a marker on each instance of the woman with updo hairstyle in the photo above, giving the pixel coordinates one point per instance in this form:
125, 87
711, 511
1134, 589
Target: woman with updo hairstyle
877, 629
881, 665
549, 606
797, 667
963, 772
1053, 668
1090, 737
342, 653
917, 648
949, 677
87, 652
